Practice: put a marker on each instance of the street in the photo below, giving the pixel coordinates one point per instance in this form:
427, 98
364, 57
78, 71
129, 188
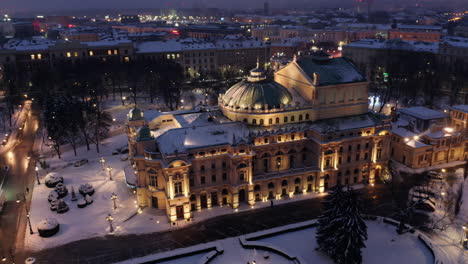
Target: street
19, 179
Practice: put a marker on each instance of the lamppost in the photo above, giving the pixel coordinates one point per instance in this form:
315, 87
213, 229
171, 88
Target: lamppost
102, 161
37, 175
114, 197
109, 169
464, 232
29, 223
109, 218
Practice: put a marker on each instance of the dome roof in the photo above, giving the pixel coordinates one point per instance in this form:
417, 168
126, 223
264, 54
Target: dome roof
144, 133
257, 94
135, 114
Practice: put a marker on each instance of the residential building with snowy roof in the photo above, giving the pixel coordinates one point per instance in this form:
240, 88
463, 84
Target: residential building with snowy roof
303, 131
424, 137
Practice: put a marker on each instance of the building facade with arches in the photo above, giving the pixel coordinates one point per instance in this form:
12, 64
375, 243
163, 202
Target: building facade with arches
268, 139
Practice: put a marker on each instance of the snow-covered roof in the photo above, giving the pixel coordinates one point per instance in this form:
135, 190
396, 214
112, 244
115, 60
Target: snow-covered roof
456, 41
197, 44
410, 138
422, 112
344, 123
183, 139
396, 44
463, 108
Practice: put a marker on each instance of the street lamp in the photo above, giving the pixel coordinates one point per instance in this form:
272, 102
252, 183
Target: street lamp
102, 161
109, 169
109, 218
37, 175
464, 231
29, 223
114, 197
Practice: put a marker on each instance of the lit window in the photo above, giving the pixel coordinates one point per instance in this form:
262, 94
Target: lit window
91, 53
126, 59
109, 52
116, 52
39, 56
168, 56
33, 57
68, 54
76, 54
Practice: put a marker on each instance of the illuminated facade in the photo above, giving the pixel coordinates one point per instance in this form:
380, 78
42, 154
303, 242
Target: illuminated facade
304, 131
424, 137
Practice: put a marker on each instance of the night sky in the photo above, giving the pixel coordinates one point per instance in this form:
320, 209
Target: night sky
239, 4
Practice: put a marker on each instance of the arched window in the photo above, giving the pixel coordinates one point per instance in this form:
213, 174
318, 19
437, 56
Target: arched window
254, 121
297, 181
261, 121
284, 183
278, 162
271, 185
224, 192
270, 121
292, 161
356, 171
285, 119
277, 120
307, 117
257, 188
245, 120
292, 119
300, 117
242, 165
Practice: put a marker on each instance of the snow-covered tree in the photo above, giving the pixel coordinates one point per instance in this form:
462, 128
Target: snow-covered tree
342, 231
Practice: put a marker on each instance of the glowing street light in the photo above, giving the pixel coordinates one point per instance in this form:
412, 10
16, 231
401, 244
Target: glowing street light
102, 161
114, 197
37, 175
109, 219
109, 169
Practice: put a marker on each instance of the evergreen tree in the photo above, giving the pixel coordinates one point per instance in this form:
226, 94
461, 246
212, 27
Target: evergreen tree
326, 225
351, 232
342, 231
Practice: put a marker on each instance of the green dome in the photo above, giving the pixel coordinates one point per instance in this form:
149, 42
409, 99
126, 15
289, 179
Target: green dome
257, 94
144, 133
135, 114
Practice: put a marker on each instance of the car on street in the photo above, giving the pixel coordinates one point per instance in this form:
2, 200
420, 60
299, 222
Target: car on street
80, 163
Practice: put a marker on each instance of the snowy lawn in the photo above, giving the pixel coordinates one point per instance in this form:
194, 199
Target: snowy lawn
383, 246
81, 223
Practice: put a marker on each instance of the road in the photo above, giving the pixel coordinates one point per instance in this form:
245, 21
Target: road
19, 178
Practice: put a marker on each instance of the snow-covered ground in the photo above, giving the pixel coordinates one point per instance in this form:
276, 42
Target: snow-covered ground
449, 239
384, 246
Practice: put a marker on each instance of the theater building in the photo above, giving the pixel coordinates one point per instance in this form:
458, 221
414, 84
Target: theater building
304, 130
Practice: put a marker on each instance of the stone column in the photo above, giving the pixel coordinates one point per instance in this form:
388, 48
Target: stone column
235, 197
251, 194
198, 202
208, 200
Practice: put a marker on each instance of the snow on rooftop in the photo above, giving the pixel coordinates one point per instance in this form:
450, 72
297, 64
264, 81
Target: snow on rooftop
183, 139
396, 44
422, 112
463, 108
456, 41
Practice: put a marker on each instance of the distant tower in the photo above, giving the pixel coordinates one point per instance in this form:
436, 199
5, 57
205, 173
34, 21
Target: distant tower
363, 6
266, 9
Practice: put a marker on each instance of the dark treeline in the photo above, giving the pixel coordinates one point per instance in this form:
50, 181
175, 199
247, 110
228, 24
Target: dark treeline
71, 94
416, 77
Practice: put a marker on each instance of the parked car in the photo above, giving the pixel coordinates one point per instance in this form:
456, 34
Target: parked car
80, 163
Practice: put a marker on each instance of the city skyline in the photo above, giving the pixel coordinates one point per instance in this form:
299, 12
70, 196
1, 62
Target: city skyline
57, 5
